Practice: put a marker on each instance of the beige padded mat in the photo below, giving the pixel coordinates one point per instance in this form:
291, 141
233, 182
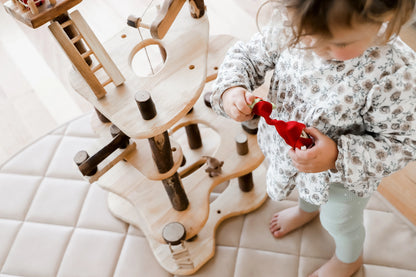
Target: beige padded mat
53, 223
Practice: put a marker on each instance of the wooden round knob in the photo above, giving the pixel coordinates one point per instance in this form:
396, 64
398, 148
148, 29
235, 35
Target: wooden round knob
145, 103
81, 157
242, 144
174, 233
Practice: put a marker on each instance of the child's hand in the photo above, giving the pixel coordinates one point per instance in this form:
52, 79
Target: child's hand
236, 103
320, 157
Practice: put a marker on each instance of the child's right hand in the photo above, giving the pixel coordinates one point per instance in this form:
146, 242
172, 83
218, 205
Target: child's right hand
236, 103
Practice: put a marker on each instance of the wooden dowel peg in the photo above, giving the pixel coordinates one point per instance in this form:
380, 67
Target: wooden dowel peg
245, 182
88, 166
162, 152
136, 22
174, 233
241, 141
52, 2
174, 189
194, 136
81, 157
197, 8
251, 126
145, 103
207, 99
115, 131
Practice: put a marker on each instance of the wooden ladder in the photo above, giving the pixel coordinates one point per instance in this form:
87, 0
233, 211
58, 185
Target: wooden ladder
95, 48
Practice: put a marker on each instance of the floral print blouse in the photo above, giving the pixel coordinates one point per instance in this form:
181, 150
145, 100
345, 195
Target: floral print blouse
367, 105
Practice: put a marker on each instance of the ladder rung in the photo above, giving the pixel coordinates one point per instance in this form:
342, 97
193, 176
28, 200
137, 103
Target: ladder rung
106, 82
76, 39
87, 53
67, 23
96, 68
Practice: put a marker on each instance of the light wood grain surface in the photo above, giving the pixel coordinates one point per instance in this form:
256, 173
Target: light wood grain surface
36, 95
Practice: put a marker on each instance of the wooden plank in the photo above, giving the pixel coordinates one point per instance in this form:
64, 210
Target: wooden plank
77, 60
98, 49
46, 12
400, 190
165, 18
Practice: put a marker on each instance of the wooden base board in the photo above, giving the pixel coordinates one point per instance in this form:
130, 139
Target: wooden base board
232, 202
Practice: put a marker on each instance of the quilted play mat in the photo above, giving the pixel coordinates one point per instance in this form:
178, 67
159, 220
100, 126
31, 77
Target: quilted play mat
54, 223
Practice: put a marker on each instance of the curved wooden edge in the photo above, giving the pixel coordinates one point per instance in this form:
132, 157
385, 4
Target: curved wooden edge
140, 157
183, 74
232, 202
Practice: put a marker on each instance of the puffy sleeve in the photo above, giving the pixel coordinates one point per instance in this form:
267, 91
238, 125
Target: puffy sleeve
246, 64
389, 117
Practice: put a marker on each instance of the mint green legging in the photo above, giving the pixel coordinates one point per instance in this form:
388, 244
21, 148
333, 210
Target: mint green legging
342, 216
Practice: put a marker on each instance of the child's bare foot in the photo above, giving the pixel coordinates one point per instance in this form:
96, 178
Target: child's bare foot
288, 220
336, 268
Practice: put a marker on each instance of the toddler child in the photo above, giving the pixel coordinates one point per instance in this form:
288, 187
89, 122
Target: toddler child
340, 68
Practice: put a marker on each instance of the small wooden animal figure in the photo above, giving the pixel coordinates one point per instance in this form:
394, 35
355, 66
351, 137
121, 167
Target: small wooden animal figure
214, 166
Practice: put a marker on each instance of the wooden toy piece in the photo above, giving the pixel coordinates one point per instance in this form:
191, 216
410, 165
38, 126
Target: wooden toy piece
136, 22
174, 234
17, 4
213, 166
80, 158
88, 165
183, 75
112, 74
197, 8
45, 13
245, 181
251, 126
32, 6
167, 14
194, 136
162, 154
52, 2
231, 202
73, 34
145, 104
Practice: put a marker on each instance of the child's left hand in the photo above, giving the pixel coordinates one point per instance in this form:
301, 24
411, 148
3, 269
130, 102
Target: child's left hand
320, 157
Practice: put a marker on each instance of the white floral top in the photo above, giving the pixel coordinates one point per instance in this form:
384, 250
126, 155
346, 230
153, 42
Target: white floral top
366, 105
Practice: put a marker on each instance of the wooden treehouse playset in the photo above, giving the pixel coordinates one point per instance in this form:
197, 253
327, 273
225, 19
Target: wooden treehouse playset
152, 156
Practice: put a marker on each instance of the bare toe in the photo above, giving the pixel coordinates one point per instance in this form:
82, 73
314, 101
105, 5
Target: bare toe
289, 219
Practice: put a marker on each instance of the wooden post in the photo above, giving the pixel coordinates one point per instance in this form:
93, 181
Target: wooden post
251, 126
88, 165
81, 157
245, 182
174, 233
162, 154
197, 8
194, 136
72, 32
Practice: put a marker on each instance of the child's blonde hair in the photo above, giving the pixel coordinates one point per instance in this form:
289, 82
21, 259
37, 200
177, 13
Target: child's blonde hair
314, 17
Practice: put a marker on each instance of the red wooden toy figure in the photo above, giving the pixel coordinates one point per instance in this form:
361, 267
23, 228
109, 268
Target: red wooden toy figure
292, 131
